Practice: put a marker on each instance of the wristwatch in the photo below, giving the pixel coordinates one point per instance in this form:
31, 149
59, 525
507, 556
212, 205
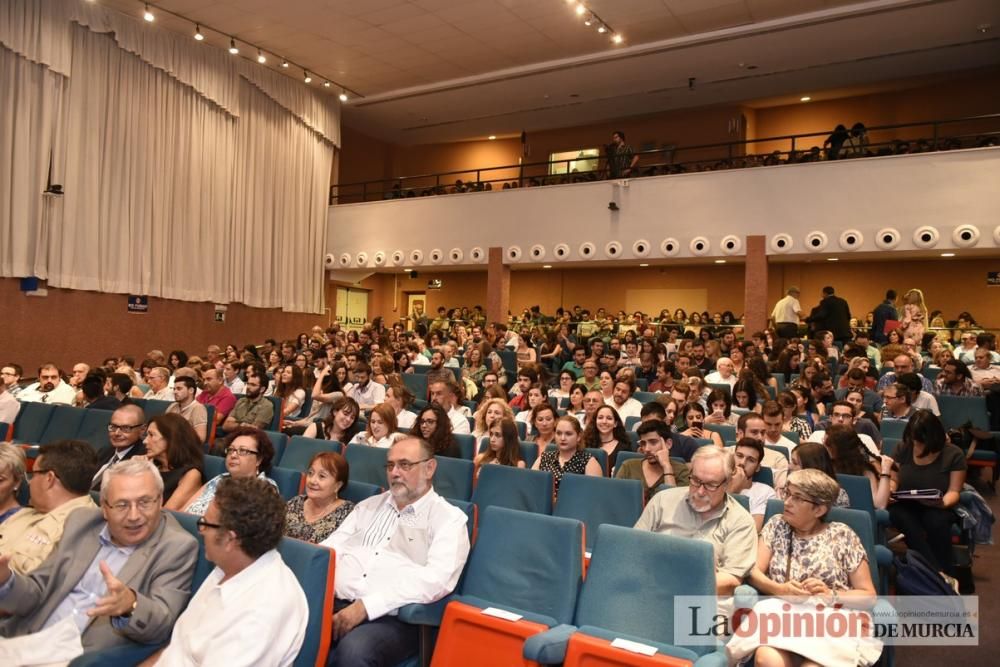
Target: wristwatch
135, 603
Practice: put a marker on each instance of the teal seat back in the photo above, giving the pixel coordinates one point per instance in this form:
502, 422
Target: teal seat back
31, 421
615, 599
959, 410
313, 566
466, 445
276, 417
514, 488
416, 383
893, 428
203, 567
367, 464
599, 500
625, 456
726, 431
859, 491
300, 451
453, 477
155, 406
94, 428
471, 515
213, 466
742, 500
280, 442
357, 491
526, 561
64, 424
644, 396
289, 481
765, 476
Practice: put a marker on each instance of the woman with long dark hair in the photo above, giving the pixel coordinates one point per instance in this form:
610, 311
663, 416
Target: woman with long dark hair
434, 426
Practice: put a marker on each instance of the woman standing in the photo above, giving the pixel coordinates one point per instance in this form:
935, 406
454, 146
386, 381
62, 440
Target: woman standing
914, 316
314, 515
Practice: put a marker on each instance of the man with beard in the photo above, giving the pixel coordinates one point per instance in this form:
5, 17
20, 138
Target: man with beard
253, 409
655, 468
407, 545
49, 389
704, 511
185, 389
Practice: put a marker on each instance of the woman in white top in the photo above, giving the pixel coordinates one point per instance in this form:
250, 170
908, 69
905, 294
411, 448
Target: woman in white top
381, 431
491, 411
536, 396
399, 397
289, 388
566, 380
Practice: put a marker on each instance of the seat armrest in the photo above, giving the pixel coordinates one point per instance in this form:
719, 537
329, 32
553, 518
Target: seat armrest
425, 614
124, 655
883, 556
549, 647
715, 659
881, 518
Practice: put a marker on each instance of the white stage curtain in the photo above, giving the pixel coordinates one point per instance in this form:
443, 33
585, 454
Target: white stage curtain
186, 176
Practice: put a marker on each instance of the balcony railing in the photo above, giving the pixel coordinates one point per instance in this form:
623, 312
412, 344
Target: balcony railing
901, 138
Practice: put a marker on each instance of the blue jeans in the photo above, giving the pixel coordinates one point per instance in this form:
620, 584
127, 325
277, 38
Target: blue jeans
384, 642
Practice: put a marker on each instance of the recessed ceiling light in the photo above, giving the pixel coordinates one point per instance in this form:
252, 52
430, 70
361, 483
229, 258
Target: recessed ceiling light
580, 9
492, 137
720, 261
833, 259
546, 266
804, 98
617, 39
644, 265
947, 254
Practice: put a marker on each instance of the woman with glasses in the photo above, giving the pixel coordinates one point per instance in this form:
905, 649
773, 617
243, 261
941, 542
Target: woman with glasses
314, 515
801, 553
175, 449
569, 457
434, 426
12, 468
566, 381
249, 453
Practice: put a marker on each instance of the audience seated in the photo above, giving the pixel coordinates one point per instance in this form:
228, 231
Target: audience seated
12, 477
341, 424
815, 456
126, 430
569, 456
176, 451
382, 429
605, 430
748, 455
503, 448
656, 468
249, 453
50, 388
434, 426
132, 549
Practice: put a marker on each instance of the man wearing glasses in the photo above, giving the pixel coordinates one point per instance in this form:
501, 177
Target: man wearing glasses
407, 545
251, 590
59, 484
121, 575
704, 511
49, 389
125, 432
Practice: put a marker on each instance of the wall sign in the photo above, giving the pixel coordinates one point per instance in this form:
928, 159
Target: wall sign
138, 304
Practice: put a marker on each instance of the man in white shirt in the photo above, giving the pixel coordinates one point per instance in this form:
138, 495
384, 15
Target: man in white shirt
758, 427
724, 373
843, 413
368, 394
9, 407
251, 609
407, 545
159, 385
231, 377
983, 373
749, 456
786, 314
79, 373
10, 376
445, 394
49, 389
621, 397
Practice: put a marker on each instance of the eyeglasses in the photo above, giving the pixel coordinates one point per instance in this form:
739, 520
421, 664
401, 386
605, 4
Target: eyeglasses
8, 373
123, 506
241, 451
124, 428
429, 422
711, 487
799, 498
405, 466
201, 523
40, 471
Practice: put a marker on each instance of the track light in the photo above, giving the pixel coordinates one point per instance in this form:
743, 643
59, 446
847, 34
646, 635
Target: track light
580, 9
343, 96
260, 57
617, 39
197, 33
326, 84
232, 46
148, 15
284, 63
307, 79
588, 22
602, 29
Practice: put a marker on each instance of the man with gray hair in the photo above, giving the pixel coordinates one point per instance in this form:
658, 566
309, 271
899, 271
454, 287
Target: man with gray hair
121, 575
786, 314
159, 385
704, 511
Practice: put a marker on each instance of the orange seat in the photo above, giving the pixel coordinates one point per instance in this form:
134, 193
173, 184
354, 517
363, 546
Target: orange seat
494, 642
587, 651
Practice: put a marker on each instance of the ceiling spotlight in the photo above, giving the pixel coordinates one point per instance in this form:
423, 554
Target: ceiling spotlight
602, 29
580, 9
343, 96
307, 79
947, 254
284, 63
617, 39
720, 261
804, 98
148, 15
492, 137
197, 33
260, 57
232, 46
326, 84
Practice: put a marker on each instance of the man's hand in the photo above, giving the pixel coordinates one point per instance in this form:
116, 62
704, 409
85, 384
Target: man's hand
5, 572
348, 618
118, 601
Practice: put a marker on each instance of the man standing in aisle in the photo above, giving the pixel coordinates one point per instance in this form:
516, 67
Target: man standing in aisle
786, 314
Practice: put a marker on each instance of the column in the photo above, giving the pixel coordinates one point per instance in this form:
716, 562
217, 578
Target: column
497, 287
755, 310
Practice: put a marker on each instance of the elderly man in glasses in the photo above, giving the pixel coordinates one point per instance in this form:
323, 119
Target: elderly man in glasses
125, 432
704, 511
119, 576
407, 545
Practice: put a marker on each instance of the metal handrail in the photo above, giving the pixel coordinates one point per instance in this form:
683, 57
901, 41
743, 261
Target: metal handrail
670, 151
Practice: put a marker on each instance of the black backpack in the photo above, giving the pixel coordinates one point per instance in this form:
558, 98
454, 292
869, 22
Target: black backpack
916, 576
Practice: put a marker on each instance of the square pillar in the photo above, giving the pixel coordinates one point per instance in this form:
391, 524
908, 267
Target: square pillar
755, 310
497, 287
